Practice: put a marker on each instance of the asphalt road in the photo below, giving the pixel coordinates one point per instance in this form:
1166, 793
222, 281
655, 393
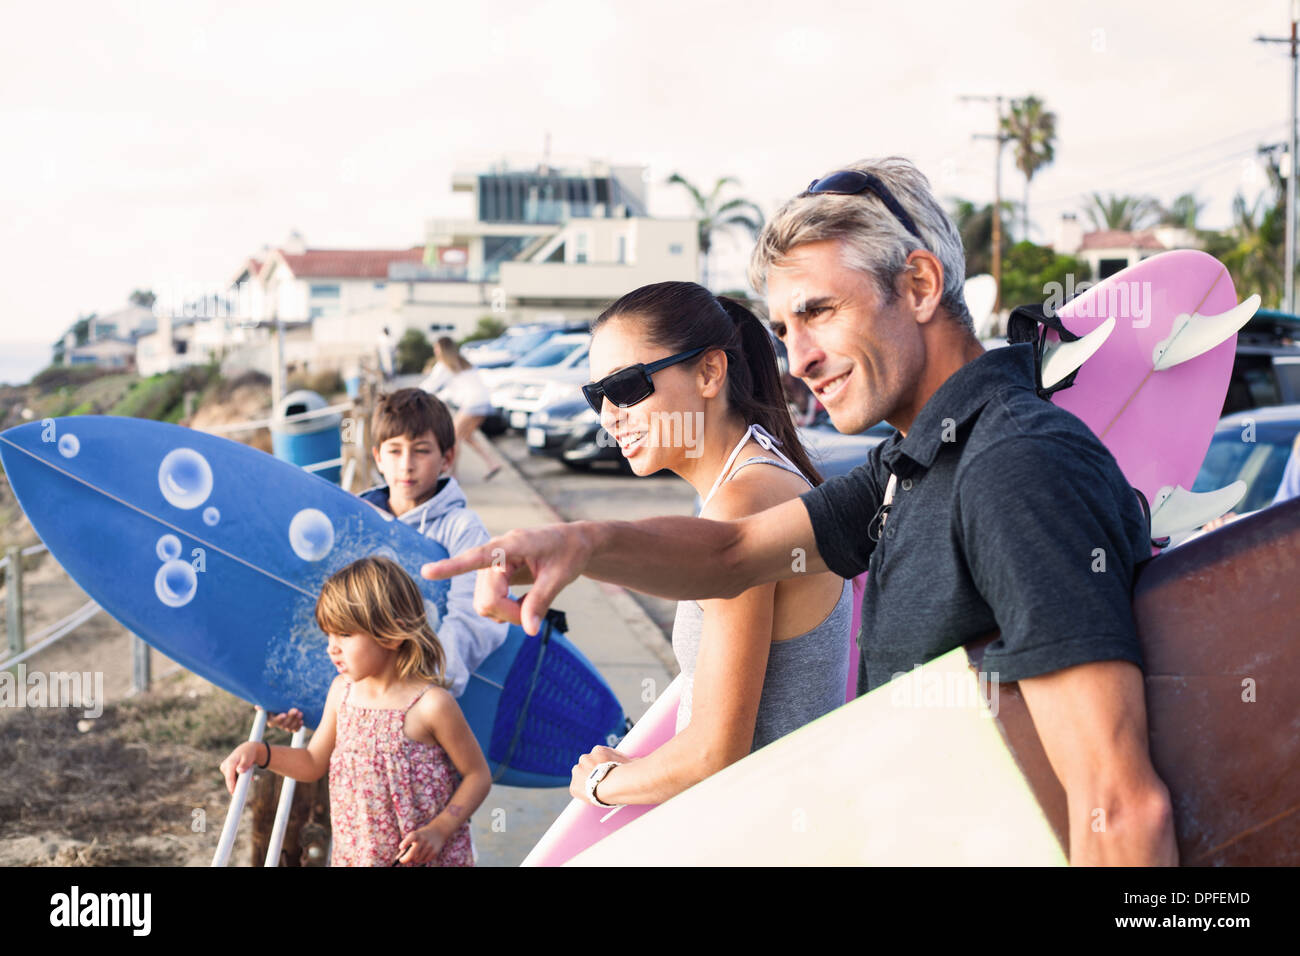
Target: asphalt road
603, 494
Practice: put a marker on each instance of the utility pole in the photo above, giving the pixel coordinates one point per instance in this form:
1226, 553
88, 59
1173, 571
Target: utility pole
999, 137
1293, 166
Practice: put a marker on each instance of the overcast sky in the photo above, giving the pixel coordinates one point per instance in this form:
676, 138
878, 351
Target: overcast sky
155, 143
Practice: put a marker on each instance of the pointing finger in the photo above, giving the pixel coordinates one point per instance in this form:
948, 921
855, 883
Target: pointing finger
474, 558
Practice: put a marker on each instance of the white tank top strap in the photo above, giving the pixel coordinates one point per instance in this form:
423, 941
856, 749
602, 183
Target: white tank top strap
765, 441
769, 442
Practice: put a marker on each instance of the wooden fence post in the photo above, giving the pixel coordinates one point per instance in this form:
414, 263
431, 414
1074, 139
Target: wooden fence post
141, 665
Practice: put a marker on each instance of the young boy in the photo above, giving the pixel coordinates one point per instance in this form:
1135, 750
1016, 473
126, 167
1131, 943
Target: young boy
414, 447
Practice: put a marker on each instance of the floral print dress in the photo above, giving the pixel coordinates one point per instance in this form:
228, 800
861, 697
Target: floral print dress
383, 785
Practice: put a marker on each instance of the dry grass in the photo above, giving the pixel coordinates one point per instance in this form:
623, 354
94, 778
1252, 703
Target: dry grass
122, 789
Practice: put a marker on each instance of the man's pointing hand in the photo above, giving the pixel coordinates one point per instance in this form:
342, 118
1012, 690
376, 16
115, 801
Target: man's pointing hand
551, 556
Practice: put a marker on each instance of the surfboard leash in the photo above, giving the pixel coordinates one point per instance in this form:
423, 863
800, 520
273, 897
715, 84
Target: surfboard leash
554, 619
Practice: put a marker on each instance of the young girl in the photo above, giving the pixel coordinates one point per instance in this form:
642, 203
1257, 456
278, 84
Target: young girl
688, 382
405, 770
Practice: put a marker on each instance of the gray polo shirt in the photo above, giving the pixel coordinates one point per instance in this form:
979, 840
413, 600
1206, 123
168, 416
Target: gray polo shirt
1009, 515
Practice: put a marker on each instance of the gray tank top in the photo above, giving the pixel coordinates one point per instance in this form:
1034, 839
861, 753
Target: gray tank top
806, 675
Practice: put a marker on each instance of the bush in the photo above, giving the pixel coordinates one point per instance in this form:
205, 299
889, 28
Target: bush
61, 376
325, 383
1028, 272
151, 397
249, 379
489, 327
413, 350
162, 397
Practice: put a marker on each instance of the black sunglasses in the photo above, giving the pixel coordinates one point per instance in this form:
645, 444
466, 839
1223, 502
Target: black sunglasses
850, 182
633, 384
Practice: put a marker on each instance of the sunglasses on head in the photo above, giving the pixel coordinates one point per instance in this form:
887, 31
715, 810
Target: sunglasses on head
851, 182
633, 384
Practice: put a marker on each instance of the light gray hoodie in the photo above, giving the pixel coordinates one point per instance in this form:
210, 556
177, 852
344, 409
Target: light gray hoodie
466, 637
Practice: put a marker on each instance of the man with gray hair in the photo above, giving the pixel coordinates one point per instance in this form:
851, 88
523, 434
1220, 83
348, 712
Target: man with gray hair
989, 510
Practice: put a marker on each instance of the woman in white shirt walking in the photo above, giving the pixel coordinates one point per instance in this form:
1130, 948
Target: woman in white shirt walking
457, 382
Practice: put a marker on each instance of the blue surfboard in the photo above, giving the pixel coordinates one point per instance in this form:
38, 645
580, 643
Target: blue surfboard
215, 553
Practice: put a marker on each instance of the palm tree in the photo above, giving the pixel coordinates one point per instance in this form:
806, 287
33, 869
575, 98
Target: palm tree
1253, 250
1032, 131
975, 226
1255, 261
1182, 212
1124, 213
714, 218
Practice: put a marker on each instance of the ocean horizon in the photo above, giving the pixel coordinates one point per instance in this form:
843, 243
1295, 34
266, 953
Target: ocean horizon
19, 361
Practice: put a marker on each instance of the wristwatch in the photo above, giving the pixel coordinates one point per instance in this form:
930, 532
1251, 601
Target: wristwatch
594, 778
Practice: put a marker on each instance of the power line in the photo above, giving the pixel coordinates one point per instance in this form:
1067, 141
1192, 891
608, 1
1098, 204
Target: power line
1131, 182
1183, 154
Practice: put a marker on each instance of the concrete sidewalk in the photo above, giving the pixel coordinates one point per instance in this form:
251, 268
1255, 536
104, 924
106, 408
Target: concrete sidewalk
605, 623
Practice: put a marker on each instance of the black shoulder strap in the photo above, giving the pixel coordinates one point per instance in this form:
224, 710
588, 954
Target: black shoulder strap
1030, 323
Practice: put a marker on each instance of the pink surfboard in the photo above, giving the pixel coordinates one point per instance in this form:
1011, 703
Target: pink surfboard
1153, 389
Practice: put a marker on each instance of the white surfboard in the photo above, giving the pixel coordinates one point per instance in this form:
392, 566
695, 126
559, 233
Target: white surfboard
915, 773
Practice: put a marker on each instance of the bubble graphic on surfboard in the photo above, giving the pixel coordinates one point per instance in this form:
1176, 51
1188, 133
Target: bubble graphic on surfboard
185, 478
69, 445
168, 547
311, 535
176, 583
211, 516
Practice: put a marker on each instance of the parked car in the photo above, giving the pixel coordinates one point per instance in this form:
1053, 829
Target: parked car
517, 342
835, 453
553, 370
1252, 446
570, 432
1266, 370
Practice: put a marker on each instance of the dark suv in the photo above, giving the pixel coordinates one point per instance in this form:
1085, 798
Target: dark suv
1267, 367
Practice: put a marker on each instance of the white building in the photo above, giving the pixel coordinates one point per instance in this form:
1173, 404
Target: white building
1111, 250
548, 244
104, 352
309, 292
544, 245
109, 339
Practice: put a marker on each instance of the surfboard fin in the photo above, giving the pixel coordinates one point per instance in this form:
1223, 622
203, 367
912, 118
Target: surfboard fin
1196, 334
1177, 509
1062, 358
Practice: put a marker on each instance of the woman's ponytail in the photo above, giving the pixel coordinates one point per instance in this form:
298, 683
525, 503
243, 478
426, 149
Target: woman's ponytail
764, 399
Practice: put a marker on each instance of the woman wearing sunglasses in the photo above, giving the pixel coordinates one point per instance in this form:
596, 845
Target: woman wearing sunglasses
688, 382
